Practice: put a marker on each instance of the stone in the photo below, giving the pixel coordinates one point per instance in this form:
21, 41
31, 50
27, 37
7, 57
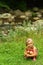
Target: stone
39, 14
35, 9
36, 18
18, 12
6, 15
38, 22
28, 13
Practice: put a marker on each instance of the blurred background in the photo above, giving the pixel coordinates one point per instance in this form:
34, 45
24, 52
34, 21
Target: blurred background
21, 4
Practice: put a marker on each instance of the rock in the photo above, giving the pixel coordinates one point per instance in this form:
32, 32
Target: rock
11, 12
28, 13
18, 12
39, 14
6, 15
35, 9
38, 22
36, 18
18, 20
41, 11
22, 16
6, 23
11, 19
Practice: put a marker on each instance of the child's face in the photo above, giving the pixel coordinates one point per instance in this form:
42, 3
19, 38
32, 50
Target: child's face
30, 45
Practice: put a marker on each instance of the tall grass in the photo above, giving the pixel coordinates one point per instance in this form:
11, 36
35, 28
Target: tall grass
24, 31
12, 53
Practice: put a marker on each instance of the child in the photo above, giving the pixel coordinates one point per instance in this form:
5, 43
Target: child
31, 51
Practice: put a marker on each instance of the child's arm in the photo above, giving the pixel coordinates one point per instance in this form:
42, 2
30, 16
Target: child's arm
35, 52
26, 52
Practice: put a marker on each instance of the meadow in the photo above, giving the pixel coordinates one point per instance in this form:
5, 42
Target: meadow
12, 52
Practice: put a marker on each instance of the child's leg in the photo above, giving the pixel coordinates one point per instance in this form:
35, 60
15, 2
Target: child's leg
34, 58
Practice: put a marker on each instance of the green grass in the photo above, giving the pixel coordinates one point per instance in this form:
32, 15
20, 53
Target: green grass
12, 53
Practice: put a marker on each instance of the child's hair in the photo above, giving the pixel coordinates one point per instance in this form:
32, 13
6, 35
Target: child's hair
29, 40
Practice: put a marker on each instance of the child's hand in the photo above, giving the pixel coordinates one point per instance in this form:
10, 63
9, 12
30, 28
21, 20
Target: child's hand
28, 52
31, 52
